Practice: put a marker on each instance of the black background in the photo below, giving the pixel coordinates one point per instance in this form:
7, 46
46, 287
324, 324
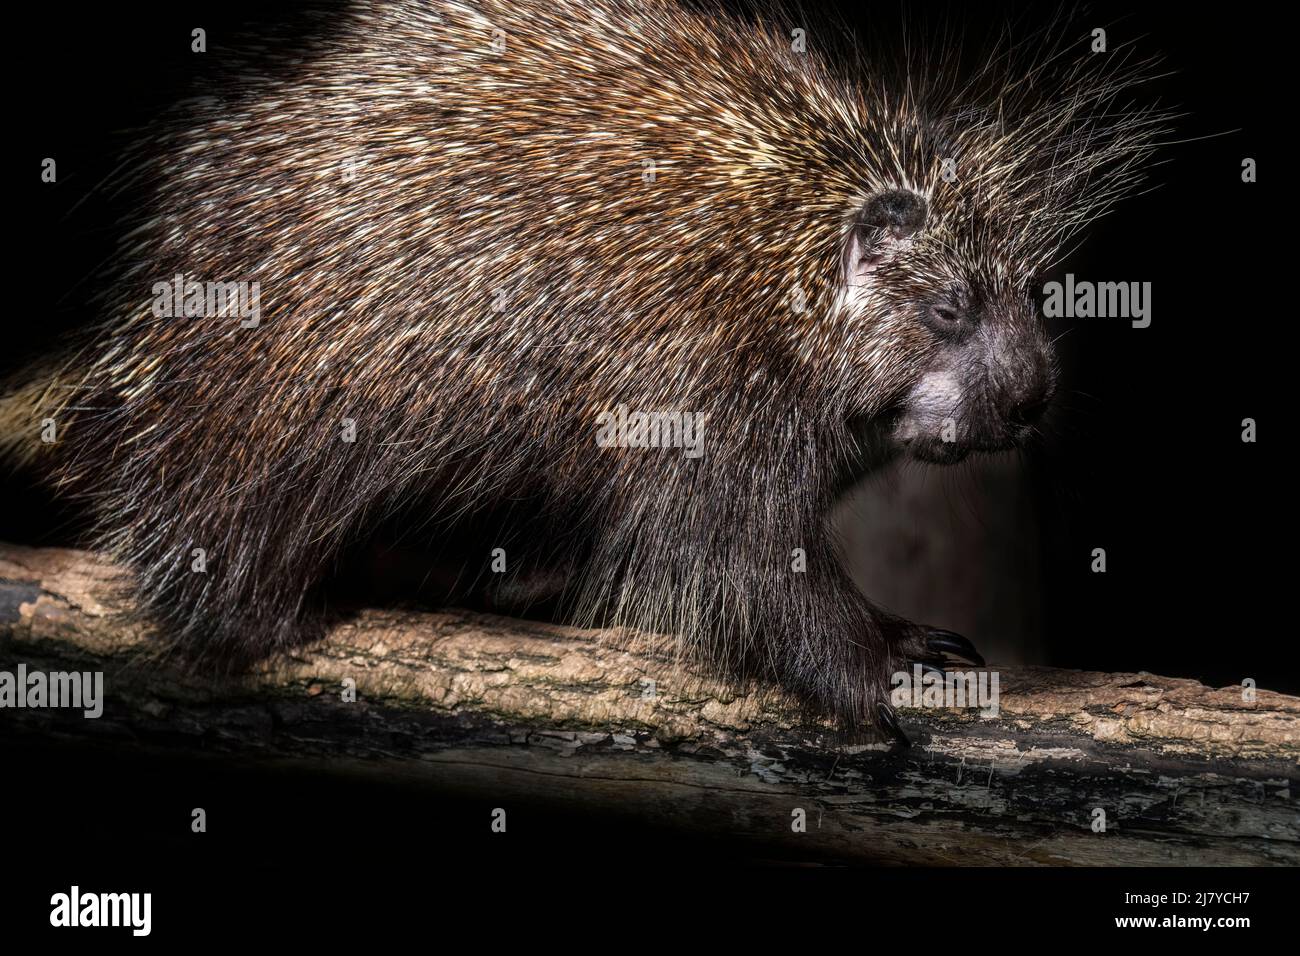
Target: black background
1144, 457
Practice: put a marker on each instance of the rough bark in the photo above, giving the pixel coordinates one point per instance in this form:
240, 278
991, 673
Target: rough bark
467, 703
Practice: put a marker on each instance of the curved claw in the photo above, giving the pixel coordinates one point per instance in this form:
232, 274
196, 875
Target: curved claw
947, 642
889, 721
928, 668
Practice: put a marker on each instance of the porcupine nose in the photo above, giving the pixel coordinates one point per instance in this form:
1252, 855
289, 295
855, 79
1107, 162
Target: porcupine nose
1030, 409
1035, 392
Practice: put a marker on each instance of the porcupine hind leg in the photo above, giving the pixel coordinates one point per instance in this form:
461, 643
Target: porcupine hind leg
225, 597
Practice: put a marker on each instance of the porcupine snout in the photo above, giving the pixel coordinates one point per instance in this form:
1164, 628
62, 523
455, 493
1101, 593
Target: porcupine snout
992, 378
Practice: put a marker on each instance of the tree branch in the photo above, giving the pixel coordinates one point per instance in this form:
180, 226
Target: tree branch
463, 702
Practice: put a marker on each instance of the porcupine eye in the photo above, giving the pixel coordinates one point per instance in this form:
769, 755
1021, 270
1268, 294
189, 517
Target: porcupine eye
881, 228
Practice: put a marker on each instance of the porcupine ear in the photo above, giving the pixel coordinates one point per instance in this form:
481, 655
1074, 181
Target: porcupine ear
884, 222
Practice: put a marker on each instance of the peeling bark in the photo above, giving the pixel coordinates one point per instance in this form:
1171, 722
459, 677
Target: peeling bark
472, 704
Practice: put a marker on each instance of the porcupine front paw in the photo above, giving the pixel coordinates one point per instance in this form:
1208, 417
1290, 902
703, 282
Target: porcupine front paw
931, 648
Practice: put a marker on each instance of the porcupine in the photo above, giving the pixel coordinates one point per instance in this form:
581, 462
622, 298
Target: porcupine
476, 226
